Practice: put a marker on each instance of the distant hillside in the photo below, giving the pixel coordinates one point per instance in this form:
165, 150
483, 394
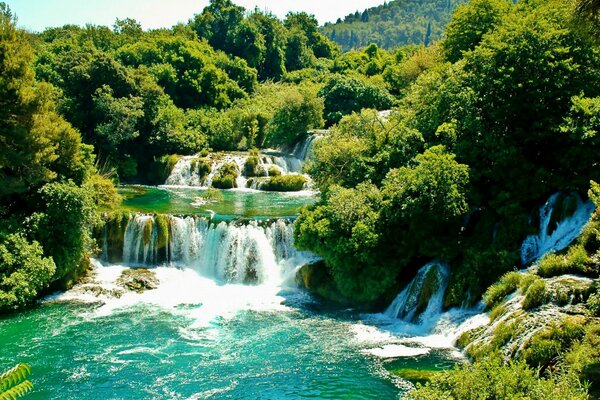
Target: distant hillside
393, 24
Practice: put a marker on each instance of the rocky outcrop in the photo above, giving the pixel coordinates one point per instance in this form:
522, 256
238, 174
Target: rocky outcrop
138, 280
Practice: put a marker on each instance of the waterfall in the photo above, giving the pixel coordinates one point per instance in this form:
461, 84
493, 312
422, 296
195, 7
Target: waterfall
556, 233
188, 172
184, 173
422, 299
303, 149
232, 252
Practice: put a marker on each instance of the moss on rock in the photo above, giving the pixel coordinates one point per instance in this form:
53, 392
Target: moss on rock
316, 278
138, 280
226, 177
285, 183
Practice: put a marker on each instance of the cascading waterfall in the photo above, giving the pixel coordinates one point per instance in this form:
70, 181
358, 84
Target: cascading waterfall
187, 171
303, 149
422, 299
245, 253
556, 234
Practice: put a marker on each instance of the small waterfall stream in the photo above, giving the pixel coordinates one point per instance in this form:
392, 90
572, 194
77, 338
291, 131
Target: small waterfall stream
556, 234
423, 298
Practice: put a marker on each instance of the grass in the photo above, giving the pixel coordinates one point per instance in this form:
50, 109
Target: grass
421, 376
575, 261
536, 295
507, 284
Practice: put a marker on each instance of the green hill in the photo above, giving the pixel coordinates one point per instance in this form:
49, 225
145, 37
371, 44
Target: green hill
393, 24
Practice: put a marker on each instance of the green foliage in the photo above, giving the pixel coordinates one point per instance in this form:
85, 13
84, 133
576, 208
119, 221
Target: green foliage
401, 75
362, 147
470, 22
37, 143
593, 304
343, 95
536, 295
583, 358
284, 183
14, 382
251, 166
50, 186
546, 347
24, 271
226, 176
492, 379
347, 228
63, 226
392, 24
508, 284
575, 261
297, 113
274, 171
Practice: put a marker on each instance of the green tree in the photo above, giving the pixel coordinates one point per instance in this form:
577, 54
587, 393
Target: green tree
470, 22
218, 23
299, 111
24, 272
344, 95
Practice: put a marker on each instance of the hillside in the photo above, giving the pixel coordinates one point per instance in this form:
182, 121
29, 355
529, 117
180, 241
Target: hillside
393, 24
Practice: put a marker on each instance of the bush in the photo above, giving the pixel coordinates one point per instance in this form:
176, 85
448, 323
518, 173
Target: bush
576, 261
251, 167
24, 271
499, 290
274, 171
536, 295
593, 304
546, 347
63, 227
584, 359
284, 183
492, 379
226, 177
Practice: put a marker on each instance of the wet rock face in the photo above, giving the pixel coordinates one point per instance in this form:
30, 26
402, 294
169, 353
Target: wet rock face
138, 280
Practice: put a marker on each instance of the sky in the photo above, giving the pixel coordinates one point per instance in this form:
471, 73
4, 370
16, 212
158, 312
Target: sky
36, 15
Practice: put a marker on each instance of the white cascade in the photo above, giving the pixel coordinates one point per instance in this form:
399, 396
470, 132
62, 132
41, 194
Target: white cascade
431, 281
184, 173
559, 237
229, 252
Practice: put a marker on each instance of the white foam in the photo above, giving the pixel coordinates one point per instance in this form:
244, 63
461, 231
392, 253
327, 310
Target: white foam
396, 351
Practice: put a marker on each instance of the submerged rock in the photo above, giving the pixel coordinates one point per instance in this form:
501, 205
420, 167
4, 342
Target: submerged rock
100, 291
138, 280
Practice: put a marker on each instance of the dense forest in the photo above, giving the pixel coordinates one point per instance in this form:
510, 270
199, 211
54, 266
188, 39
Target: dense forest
486, 123
393, 24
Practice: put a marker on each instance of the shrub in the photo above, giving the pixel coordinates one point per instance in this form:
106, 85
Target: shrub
552, 265
583, 357
24, 271
536, 295
202, 166
64, 228
593, 304
545, 347
251, 166
226, 177
492, 379
507, 284
576, 261
284, 183
274, 171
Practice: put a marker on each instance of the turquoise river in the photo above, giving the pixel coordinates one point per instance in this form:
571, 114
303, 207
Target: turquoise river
227, 320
